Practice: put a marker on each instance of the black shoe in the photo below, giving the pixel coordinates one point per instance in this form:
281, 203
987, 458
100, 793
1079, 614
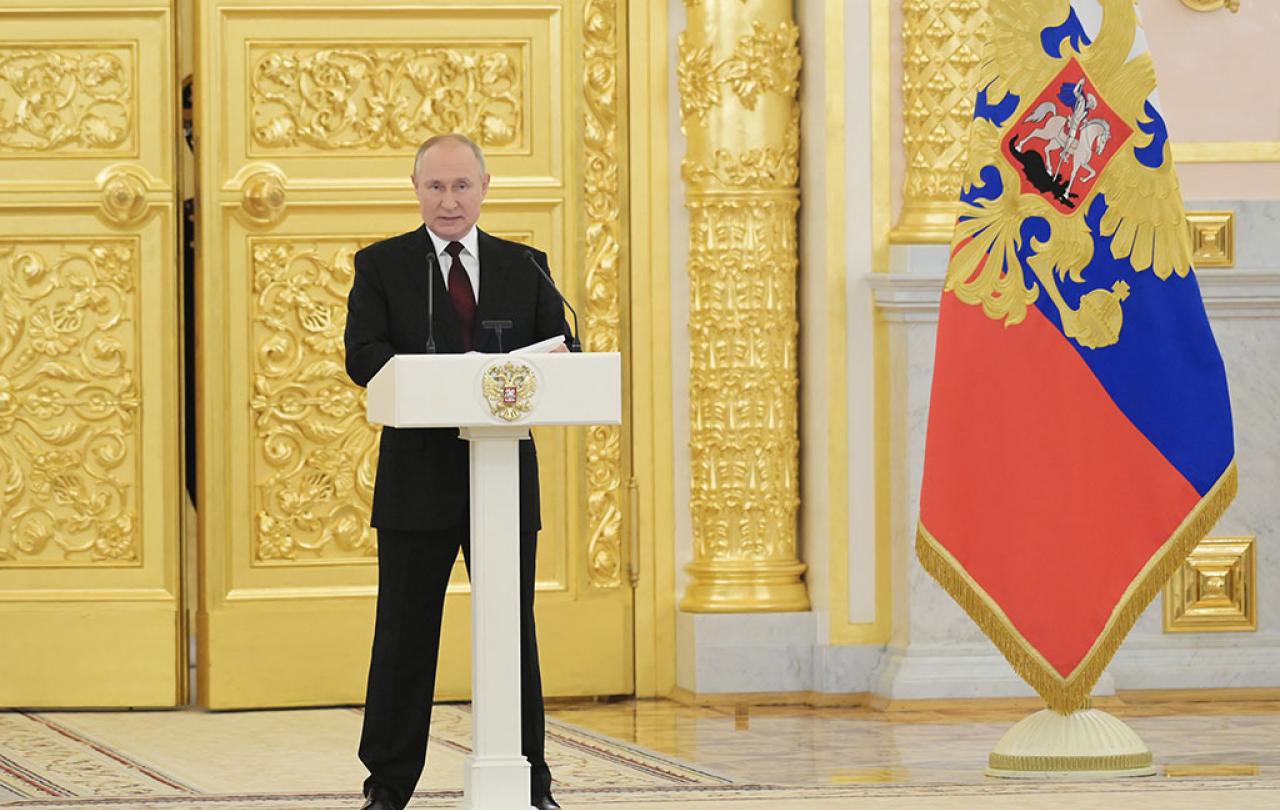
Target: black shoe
377, 799
546, 802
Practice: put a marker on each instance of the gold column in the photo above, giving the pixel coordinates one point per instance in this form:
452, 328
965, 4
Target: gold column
941, 49
738, 71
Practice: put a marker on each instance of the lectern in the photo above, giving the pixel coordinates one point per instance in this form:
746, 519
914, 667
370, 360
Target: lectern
493, 399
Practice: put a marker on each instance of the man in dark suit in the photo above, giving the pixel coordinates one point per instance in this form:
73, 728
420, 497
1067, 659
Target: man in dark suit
420, 500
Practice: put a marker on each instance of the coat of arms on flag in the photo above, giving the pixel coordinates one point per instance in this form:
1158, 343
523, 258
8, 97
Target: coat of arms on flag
1080, 439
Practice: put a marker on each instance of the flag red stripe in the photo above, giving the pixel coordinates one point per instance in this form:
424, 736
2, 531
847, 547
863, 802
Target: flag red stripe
1037, 483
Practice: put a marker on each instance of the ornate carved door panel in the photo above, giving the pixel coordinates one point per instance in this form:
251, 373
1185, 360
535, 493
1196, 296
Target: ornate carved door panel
308, 115
90, 474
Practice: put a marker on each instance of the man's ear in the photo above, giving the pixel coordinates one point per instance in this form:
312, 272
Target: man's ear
484, 184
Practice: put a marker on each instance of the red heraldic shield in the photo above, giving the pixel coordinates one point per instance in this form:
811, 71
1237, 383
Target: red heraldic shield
1080, 440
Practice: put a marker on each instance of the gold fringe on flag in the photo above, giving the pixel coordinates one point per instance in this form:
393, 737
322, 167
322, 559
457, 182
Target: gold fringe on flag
1065, 695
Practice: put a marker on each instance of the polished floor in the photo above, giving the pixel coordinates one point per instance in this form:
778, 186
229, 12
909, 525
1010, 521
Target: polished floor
630, 754
797, 745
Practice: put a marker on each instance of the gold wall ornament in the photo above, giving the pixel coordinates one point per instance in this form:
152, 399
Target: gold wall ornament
1212, 5
70, 453
941, 49
763, 168
367, 97
509, 388
764, 60
124, 195
262, 195
1215, 590
602, 182
738, 70
66, 98
1213, 242
314, 452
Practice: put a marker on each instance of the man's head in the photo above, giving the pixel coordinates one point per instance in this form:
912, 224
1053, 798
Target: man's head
450, 181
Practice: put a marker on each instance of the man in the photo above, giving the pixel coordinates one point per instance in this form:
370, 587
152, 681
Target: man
420, 500
1083, 103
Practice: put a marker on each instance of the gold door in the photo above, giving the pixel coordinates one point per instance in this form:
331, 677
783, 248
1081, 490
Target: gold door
308, 115
90, 474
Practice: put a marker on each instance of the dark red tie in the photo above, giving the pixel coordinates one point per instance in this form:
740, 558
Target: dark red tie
464, 298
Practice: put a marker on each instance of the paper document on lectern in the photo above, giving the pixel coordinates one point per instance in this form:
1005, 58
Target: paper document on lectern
542, 346
1080, 439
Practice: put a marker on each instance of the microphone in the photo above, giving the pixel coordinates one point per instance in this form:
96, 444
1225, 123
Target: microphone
432, 263
574, 345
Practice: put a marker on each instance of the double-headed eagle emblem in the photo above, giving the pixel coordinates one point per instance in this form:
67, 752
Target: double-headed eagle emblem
1067, 156
508, 387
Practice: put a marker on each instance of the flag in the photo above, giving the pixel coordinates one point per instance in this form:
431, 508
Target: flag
1079, 441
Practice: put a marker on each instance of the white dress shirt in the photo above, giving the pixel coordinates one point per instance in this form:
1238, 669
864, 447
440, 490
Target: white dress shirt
470, 257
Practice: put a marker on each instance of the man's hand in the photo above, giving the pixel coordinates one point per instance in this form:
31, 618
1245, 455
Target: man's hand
560, 348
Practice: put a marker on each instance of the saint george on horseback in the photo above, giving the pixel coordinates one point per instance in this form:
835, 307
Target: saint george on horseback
1075, 136
1082, 104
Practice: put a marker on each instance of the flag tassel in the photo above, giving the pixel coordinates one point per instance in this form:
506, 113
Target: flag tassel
1065, 695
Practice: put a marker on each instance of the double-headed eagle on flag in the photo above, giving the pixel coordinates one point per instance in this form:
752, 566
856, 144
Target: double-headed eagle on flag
1080, 439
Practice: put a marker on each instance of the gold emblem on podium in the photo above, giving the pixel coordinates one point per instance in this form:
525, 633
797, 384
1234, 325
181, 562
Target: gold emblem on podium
509, 387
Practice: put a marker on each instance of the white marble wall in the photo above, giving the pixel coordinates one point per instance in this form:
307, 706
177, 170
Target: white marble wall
767, 652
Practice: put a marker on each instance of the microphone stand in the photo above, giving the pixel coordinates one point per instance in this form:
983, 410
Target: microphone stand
432, 263
574, 344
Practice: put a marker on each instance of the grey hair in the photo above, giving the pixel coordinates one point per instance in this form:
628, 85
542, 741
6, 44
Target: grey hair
449, 137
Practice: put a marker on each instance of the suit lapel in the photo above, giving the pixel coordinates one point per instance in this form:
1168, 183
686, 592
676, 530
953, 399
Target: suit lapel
417, 268
494, 259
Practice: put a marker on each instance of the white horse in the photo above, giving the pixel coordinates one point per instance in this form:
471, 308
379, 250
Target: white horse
1091, 139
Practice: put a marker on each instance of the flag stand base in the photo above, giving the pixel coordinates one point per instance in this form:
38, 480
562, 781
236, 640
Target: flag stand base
1086, 744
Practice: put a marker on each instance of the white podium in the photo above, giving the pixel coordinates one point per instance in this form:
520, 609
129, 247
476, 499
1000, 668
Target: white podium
493, 399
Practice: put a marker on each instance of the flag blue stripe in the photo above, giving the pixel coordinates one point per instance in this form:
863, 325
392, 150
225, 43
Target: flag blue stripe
1165, 373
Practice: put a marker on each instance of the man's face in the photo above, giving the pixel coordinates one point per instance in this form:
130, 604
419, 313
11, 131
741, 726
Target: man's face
450, 188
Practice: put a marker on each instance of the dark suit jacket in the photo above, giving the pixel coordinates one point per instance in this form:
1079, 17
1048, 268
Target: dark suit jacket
424, 473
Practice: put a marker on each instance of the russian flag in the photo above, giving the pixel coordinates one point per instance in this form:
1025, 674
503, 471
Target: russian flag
1080, 440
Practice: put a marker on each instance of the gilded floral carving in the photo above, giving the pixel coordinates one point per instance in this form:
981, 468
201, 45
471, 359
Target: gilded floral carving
762, 168
66, 99
603, 202
69, 403
767, 60
386, 96
314, 452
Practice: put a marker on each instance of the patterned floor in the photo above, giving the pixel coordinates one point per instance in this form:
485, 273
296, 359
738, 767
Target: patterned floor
625, 756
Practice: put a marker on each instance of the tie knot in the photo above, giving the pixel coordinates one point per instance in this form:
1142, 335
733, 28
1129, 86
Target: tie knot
453, 249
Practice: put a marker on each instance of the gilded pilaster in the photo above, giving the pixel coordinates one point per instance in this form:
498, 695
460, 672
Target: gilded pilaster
941, 49
738, 72
602, 182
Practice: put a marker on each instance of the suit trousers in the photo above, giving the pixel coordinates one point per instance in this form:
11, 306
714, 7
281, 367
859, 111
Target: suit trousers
413, 573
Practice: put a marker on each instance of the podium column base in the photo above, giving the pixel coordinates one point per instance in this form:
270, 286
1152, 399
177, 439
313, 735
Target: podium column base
496, 783
1086, 744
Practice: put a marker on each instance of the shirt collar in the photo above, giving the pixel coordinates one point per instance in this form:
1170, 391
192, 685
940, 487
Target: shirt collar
470, 242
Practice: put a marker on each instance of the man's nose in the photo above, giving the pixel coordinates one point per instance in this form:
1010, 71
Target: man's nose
449, 200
